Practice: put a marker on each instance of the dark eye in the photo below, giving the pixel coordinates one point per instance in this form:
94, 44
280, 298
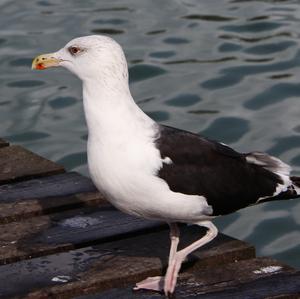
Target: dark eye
74, 50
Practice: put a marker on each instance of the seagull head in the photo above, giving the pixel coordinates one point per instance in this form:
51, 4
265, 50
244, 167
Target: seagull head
88, 57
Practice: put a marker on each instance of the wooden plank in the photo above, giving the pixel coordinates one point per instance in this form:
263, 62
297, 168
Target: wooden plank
3, 143
23, 209
112, 264
223, 279
47, 234
285, 285
46, 195
230, 281
56, 185
17, 163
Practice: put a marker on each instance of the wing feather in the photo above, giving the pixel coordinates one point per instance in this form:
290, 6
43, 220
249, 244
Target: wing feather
204, 167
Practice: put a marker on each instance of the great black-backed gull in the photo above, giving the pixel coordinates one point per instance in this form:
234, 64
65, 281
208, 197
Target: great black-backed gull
158, 172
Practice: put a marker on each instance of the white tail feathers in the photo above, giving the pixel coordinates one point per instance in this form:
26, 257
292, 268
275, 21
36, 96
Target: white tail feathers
274, 165
269, 162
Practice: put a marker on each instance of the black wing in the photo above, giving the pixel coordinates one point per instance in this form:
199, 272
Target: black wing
204, 167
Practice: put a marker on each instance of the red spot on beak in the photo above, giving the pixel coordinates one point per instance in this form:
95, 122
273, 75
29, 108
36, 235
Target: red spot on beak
40, 66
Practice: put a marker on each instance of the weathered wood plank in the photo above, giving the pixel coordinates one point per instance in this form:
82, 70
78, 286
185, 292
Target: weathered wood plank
51, 186
284, 285
3, 143
47, 234
221, 279
230, 281
112, 264
23, 209
17, 163
46, 195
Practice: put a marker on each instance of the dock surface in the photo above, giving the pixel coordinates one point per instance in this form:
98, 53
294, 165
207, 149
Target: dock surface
60, 238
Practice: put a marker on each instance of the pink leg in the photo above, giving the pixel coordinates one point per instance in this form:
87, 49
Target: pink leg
178, 258
157, 283
174, 236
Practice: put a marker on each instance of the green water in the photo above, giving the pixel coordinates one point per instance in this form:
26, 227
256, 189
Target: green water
227, 69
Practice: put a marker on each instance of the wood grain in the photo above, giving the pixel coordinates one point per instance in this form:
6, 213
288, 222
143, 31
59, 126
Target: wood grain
17, 163
46, 195
21, 209
45, 187
67, 230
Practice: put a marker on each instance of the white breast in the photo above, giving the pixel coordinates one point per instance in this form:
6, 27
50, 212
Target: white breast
122, 169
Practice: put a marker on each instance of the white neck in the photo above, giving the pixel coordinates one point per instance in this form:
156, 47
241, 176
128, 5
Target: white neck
111, 111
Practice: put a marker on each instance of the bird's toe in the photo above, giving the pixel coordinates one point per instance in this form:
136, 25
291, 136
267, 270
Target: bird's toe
155, 283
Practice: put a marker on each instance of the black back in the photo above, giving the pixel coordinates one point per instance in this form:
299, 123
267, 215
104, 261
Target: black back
204, 167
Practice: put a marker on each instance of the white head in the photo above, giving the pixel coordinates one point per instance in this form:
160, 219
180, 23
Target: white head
100, 63
89, 57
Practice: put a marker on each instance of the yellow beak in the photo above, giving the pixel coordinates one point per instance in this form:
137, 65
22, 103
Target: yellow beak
45, 61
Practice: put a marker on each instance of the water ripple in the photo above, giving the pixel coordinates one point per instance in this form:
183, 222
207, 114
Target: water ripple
176, 40
21, 62
110, 21
184, 100
159, 115
283, 243
154, 32
258, 60
27, 136
296, 160
62, 102
280, 76
227, 129
44, 3
25, 83
113, 9
271, 48
254, 39
229, 47
233, 75
203, 111
273, 95
213, 18
192, 60
143, 72
110, 31
284, 144
258, 18
163, 54
253, 27
73, 160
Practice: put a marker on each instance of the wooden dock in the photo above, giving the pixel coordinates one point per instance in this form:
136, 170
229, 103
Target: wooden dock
59, 238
